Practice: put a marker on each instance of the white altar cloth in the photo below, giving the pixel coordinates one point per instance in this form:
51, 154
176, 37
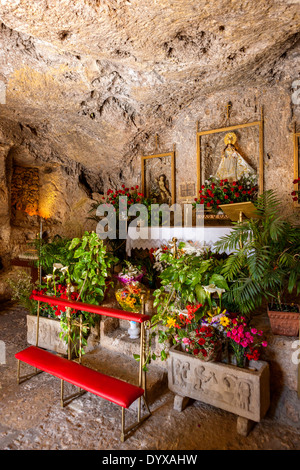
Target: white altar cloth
155, 237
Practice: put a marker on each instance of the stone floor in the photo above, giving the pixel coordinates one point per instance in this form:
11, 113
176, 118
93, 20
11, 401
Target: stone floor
31, 417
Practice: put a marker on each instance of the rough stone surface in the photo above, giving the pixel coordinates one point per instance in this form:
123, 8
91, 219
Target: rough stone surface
88, 85
31, 417
92, 82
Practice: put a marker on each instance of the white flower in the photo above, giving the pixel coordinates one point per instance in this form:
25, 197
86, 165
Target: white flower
64, 269
57, 266
220, 291
49, 276
211, 288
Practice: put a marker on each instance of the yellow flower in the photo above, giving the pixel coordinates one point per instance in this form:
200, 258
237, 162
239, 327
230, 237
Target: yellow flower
171, 322
224, 321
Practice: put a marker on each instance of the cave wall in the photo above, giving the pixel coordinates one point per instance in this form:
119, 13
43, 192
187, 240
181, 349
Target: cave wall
83, 104
210, 112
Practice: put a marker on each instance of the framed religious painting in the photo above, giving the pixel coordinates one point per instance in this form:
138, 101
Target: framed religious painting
296, 196
158, 177
232, 154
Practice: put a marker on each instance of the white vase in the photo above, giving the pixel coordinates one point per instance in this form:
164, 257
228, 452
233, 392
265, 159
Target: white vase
134, 330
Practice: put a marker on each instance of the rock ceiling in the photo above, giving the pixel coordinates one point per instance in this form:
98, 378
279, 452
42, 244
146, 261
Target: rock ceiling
88, 81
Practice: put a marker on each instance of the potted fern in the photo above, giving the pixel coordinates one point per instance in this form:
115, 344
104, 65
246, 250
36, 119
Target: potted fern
264, 264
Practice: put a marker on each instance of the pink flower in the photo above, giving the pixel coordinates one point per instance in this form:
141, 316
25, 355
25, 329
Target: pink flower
234, 331
228, 334
254, 331
186, 340
260, 333
264, 344
244, 343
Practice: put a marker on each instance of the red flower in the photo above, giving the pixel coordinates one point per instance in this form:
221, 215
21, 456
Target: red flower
226, 197
237, 194
201, 341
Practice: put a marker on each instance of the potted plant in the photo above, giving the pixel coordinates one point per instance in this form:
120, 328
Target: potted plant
235, 381
129, 293
115, 198
215, 192
87, 272
264, 264
182, 276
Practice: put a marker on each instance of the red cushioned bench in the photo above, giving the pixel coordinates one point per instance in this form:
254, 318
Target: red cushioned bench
117, 391
110, 388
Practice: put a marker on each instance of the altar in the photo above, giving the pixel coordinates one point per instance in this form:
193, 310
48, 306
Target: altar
155, 237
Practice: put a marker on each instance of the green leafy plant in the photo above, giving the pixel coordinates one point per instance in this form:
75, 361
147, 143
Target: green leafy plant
182, 279
91, 266
21, 286
264, 259
54, 251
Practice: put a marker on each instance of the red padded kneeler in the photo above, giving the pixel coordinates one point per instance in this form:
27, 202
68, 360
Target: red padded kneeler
109, 312
109, 388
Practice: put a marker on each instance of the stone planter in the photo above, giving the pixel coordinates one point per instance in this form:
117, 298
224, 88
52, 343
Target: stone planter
49, 330
284, 323
244, 392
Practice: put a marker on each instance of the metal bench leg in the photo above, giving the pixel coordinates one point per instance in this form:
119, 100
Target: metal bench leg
25, 377
67, 400
123, 425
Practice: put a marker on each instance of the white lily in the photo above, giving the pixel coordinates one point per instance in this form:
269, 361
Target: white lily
57, 266
211, 288
64, 269
219, 291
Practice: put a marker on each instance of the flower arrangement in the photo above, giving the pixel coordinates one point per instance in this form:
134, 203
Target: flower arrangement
133, 194
52, 311
296, 193
216, 192
203, 343
130, 273
129, 297
197, 339
245, 341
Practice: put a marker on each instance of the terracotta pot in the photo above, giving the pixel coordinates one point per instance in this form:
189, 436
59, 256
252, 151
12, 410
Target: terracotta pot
284, 323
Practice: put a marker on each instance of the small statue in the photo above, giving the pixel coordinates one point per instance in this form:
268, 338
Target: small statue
233, 166
164, 192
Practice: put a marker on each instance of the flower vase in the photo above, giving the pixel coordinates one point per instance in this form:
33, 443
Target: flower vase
240, 358
134, 330
128, 296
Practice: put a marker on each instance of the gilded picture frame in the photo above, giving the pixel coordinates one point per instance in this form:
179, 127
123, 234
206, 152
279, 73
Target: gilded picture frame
162, 165
296, 138
256, 124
